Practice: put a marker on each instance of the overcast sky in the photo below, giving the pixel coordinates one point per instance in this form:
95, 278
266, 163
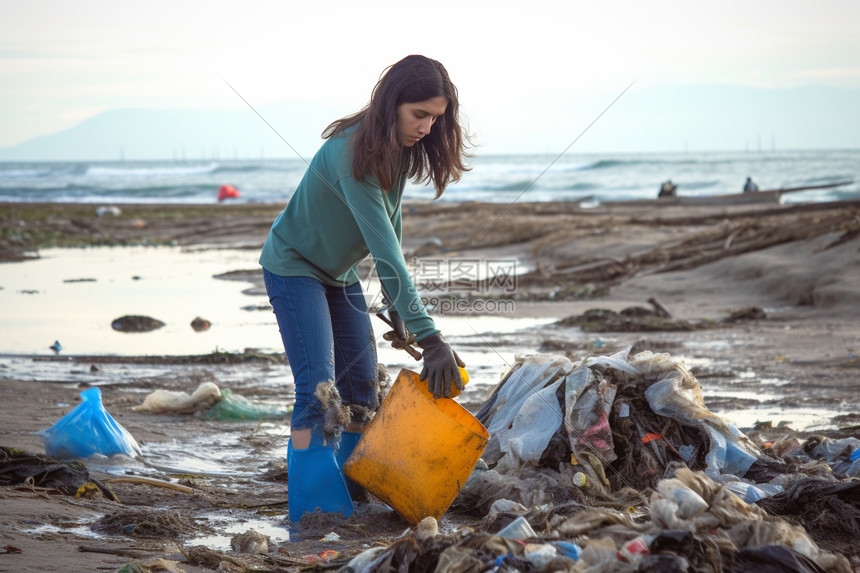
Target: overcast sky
517, 65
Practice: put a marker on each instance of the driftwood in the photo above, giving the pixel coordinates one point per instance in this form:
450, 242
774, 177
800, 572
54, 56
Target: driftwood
731, 237
754, 235
121, 551
150, 481
659, 309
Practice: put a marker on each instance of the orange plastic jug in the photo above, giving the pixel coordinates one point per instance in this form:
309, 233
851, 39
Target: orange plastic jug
418, 451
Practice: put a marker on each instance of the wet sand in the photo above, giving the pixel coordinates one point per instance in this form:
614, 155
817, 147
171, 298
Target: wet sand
799, 265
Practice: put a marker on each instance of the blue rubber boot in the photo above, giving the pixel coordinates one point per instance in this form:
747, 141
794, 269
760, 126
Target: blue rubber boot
314, 480
348, 441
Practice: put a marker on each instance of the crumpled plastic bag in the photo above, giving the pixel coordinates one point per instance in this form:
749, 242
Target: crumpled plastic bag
529, 374
531, 430
236, 407
774, 558
204, 397
678, 395
751, 493
842, 455
587, 404
89, 429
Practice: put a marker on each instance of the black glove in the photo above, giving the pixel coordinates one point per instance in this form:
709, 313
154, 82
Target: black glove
440, 366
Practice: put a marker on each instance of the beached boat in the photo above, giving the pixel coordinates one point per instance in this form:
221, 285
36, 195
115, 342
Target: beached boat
753, 197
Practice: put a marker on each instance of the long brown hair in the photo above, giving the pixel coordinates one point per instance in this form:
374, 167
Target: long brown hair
377, 151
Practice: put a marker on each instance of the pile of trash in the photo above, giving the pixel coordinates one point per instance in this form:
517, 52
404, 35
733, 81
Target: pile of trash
615, 464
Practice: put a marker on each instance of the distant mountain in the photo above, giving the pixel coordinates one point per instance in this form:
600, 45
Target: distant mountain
142, 134
667, 118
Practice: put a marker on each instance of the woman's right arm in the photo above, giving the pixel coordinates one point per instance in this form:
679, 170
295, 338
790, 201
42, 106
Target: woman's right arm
366, 203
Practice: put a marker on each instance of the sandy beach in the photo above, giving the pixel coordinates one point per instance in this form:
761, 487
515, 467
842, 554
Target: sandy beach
761, 302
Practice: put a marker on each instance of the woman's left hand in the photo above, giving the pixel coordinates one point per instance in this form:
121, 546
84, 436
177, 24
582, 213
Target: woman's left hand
441, 366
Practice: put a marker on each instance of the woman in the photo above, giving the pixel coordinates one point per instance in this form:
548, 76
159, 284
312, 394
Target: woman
348, 205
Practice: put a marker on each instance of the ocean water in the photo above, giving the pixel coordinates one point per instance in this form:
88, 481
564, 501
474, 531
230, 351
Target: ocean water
493, 178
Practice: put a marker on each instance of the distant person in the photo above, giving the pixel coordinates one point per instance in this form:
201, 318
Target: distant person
668, 189
749, 186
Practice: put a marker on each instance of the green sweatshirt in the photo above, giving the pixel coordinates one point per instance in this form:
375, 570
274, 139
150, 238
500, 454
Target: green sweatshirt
333, 221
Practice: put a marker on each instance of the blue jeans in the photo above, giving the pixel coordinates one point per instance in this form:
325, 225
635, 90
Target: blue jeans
327, 335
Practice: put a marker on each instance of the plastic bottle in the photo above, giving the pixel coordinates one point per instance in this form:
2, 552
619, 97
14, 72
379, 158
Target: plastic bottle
690, 504
634, 550
518, 529
752, 493
568, 549
539, 554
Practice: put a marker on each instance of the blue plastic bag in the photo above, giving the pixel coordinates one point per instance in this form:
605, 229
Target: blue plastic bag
88, 430
751, 493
